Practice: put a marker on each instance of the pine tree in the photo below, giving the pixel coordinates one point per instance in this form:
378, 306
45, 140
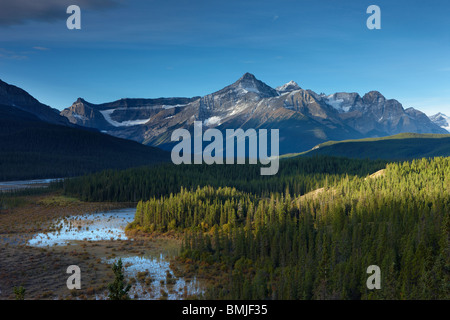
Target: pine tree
19, 292
118, 290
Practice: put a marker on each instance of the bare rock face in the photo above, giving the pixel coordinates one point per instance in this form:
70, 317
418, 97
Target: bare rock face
84, 114
303, 117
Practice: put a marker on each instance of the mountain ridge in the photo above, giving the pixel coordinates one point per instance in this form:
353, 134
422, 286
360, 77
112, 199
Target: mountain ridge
20, 99
304, 117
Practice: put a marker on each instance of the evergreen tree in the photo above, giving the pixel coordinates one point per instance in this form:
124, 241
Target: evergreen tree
118, 290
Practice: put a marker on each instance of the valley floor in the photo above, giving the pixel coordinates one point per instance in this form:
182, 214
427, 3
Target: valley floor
42, 270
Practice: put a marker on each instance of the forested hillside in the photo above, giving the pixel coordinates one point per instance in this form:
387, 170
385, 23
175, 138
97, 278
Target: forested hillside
404, 146
319, 247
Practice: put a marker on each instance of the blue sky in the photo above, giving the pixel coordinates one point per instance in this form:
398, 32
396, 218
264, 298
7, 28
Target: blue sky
150, 49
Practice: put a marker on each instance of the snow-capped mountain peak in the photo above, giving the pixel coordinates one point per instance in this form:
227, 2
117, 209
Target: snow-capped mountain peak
441, 120
288, 87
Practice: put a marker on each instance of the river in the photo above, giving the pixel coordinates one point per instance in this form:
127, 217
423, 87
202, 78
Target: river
25, 184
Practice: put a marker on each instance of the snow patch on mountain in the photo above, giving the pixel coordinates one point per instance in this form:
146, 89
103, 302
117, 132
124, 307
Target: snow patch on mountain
212, 121
337, 104
80, 117
173, 106
247, 87
129, 123
237, 109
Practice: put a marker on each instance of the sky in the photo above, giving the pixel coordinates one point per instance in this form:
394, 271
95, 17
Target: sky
186, 48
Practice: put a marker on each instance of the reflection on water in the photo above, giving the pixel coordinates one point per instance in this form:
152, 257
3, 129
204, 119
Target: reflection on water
160, 280
90, 227
154, 278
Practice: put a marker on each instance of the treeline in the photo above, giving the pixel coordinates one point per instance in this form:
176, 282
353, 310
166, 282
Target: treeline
319, 246
298, 176
14, 198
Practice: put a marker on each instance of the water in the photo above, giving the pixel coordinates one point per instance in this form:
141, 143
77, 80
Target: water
23, 184
160, 282
163, 283
90, 227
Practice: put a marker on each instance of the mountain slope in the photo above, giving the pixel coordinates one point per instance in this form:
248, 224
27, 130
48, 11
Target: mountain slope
398, 147
13, 96
32, 148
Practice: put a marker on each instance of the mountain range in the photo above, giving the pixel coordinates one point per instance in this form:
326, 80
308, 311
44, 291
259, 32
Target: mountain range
304, 118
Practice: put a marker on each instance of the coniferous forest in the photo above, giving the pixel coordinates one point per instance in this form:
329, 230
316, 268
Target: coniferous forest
310, 232
298, 175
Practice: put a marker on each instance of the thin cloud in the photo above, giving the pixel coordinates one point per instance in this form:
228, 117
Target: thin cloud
41, 48
11, 55
20, 11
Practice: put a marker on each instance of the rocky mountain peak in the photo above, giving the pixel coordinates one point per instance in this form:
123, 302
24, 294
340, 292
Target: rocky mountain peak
80, 100
438, 115
441, 120
248, 76
373, 97
288, 87
247, 81
249, 84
